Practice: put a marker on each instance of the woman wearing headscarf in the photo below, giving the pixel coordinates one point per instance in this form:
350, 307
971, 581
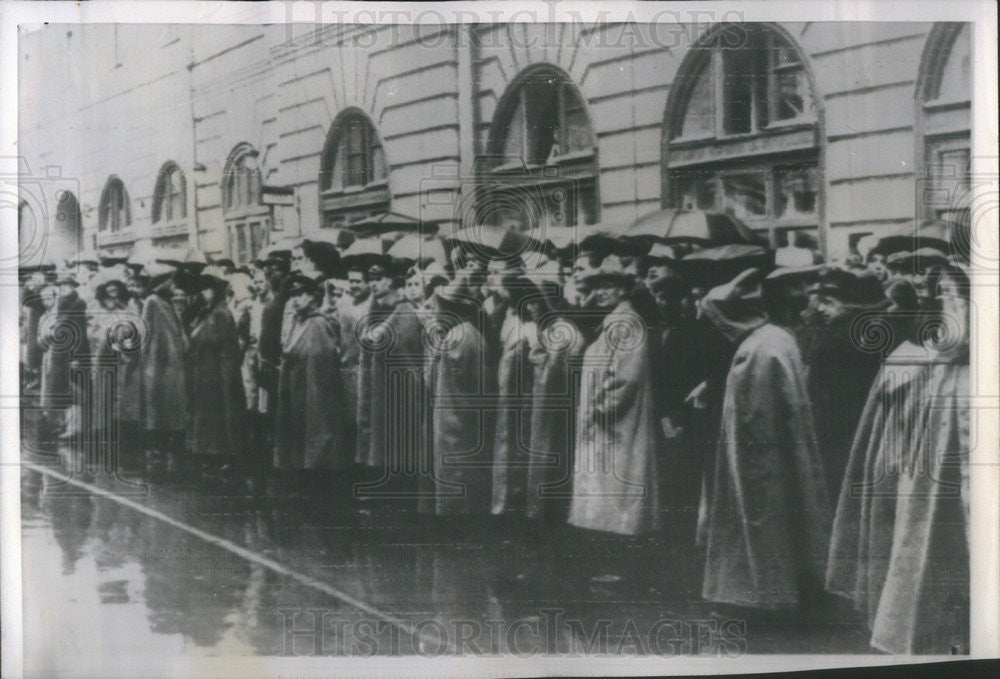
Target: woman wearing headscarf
218, 425
924, 606
768, 521
311, 414
863, 524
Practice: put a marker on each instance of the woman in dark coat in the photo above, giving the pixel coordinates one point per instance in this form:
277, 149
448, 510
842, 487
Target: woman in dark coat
62, 335
311, 410
163, 360
460, 445
117, 346
217, 402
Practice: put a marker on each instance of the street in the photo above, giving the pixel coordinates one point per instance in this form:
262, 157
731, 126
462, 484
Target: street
188, 572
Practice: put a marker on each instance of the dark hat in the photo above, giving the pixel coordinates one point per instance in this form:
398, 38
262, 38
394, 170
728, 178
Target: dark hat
213, 276
324, 255
224, 262
612, 269
65, 278
862, 290
300, 284
113, 261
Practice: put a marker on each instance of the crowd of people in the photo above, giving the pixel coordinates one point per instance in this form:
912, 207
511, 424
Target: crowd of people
805, 425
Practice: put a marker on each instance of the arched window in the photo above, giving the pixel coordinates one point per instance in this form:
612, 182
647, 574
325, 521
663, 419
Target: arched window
541, 167
741, 132
246, 218
115, 212
67, 228
170, 195
26, 225
354, 172
944, 99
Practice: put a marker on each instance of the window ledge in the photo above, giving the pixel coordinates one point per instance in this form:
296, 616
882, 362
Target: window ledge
775, 130
116, 237
352, 190
946, 104
172, 228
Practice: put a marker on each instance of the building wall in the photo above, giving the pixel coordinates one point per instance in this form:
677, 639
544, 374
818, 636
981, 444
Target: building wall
98, 100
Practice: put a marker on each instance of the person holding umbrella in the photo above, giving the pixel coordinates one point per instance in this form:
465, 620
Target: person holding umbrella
217, 404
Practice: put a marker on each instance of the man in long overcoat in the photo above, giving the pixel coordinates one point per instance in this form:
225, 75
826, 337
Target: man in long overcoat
768, 514
163, 361
460, 426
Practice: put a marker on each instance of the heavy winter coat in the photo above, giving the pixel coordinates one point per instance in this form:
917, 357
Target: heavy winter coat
556, 357
310, 414
861, 540
615, 475
512, 441
768, 515
217, 401
163, 361
924, 607
62, 335
461, 426
396, 394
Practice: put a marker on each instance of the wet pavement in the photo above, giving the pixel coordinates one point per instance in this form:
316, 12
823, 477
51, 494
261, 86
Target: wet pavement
117, 571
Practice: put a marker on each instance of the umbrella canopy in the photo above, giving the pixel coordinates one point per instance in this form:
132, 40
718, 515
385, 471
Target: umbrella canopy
364, 252
391, 221
933, 234
418, 248
699, 227
717, 265
493, 242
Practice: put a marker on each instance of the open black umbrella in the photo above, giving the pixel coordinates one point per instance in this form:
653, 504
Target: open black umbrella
364, 252
700, 227
935, 234
387, 222
717, 265
494, 242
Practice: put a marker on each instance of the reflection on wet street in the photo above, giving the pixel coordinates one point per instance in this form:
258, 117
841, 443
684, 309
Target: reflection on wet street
117, 572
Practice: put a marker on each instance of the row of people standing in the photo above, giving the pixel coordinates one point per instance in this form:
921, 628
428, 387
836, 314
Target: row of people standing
604, 397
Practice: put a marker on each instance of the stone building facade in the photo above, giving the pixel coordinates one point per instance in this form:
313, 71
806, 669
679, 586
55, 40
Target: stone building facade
228, 137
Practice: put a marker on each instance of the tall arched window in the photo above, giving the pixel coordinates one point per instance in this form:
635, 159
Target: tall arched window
741, 132
170, 195
67, 228
26, 225
541, 167
246, 218
115, 212
944, 99
354, 172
